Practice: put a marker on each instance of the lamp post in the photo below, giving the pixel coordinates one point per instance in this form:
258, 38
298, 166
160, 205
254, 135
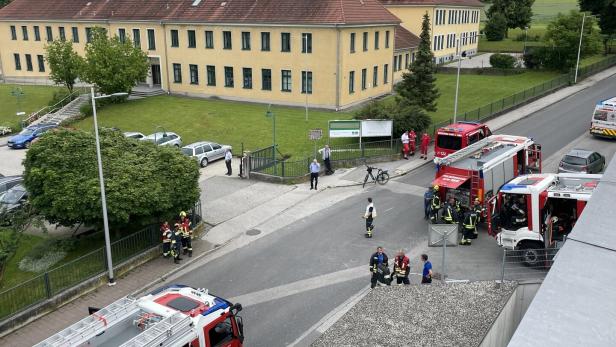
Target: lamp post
102, 183
577, 64
525, 39
155, 133
460, 55
270, 114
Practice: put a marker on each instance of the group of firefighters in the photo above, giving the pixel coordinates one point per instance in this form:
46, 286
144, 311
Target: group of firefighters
177, 239
409, 141
453, 213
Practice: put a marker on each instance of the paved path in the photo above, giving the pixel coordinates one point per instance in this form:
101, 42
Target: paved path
478, 61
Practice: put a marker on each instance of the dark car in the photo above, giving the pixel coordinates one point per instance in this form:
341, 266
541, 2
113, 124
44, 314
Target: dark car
582, 161
9, 182
25, 137
12, 200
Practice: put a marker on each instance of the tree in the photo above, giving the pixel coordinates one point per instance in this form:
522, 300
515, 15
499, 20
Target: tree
143, 182
606, 10
418, 82
65, 64
4, 3
502, 61
563, 36
111, 65
496, 27
404, 115
518, 13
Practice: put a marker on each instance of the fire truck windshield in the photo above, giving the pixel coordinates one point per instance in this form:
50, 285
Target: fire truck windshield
449, 142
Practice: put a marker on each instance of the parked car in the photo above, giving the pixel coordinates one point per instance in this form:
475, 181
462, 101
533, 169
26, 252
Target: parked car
165, 139
9, 182
25, 138
582, 161
11, 201
205, 151
134, 135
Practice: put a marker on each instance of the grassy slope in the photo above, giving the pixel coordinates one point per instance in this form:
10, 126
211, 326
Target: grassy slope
35, 98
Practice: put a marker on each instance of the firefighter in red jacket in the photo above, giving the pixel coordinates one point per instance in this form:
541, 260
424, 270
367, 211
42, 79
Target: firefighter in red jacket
412, 140
425, 142
186, 234
166, 235
402, 268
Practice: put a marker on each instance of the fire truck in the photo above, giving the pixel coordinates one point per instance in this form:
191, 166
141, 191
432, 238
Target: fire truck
537, 211
457, 136
479, 170
174, 315
603, 122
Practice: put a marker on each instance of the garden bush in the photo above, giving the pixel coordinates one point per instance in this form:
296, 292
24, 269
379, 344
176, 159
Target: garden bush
502, 61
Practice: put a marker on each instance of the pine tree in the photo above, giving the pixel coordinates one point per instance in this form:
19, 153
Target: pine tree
418, 83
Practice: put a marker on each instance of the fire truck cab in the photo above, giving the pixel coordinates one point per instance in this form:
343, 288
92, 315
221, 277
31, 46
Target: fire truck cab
537, 211
479, 170
457, 136
174, 315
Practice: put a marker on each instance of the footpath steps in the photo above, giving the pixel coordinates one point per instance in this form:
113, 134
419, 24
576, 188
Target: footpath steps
71, 110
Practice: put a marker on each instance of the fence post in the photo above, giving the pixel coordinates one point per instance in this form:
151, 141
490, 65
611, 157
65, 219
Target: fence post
47, 285
503, 266
491, 108
282, 174
363, 154
503, 108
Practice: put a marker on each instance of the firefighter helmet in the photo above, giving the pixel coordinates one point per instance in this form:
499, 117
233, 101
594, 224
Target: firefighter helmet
436, 187
477, 200
182, 214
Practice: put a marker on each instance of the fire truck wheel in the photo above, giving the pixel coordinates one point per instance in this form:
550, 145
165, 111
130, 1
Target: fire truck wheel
532, 254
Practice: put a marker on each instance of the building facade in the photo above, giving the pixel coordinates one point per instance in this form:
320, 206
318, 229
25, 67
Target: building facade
324, 53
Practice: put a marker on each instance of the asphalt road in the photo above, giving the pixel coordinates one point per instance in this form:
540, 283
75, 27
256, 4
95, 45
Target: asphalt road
290, 279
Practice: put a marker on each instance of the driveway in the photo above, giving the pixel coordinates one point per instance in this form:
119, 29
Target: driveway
10, 161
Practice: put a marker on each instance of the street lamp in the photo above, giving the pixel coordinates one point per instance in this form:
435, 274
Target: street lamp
270, 114
577, 64
460, 56
102, 182
525, 38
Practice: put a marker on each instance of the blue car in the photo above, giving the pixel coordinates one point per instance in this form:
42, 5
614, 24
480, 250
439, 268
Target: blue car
29, 134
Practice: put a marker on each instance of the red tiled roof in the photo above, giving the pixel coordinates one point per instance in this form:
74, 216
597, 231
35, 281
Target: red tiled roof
472, 3
405, 39
207, 11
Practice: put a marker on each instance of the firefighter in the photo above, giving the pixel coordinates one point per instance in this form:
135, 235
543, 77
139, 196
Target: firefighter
478, 210
518, 216
412, 141
449, 214
435, 206
429, 193
378, 259
402, 268
176, 243
468, 227
369, 216
425, 142
186, 234
166, 234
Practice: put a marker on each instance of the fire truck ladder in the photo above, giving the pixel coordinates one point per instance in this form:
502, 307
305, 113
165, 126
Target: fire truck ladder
462, 153
93, 325
163, 333
475, 186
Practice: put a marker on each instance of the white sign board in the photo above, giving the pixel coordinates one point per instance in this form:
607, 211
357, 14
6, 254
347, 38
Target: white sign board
376, 128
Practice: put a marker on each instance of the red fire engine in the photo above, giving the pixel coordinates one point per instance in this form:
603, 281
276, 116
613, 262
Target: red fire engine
457, 136
482, 168
174, 315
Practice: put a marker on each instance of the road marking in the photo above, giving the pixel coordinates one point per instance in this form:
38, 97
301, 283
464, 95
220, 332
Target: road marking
389, 209
301, 286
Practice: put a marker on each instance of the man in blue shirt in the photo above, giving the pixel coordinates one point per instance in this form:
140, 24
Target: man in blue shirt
315, 167
426, 276
377, 259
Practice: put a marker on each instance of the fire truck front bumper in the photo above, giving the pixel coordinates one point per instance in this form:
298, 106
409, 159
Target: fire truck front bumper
506, 239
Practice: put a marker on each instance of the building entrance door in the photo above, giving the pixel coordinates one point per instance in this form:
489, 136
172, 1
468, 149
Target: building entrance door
156, 74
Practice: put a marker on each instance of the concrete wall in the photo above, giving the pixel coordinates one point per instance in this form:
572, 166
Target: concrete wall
507, 321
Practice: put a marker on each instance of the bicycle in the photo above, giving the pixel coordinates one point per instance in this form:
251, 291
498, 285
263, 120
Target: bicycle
382, 176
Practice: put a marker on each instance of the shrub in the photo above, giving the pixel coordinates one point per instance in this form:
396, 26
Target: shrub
502, 61
58, 96
496, 27
86, 110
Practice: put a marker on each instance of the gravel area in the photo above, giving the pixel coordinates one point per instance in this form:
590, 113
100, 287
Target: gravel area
420, 315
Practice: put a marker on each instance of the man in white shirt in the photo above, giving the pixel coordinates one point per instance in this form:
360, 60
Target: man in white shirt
369, 216
405, 144
228, 157
315, 167
326, 152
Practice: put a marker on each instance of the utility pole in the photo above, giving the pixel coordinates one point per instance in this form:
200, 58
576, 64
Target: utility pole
577, 64
455, 105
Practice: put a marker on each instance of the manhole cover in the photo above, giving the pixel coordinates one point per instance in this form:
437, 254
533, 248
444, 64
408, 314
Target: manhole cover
253, 232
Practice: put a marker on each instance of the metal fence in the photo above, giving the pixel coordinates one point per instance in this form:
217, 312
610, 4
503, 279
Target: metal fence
527, 264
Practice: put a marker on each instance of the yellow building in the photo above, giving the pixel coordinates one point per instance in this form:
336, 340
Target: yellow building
452, 22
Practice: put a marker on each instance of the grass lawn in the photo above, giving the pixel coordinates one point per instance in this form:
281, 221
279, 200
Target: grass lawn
545, 10
35, 98
12, 274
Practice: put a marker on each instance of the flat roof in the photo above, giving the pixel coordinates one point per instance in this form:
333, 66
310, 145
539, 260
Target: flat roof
576, 304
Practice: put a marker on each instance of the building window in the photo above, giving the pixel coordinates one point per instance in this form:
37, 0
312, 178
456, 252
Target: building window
88, 35
29, 62
247, 74
228, 76
192, 39
17, 61
266, 79
286, 80
385, 73
364, 72
376, 40
13, 33
406, 61
387, 39
352, 42
75, 32
285, 42
151, 40
177, 73
395, 63
49, 34
194, 73
175, 38
306, 43
245, 40
137, 38
24, 32
226, 40
211, 75
306, 82
62, 33
122, 35
41, 63
365, 41
351, 82
400, 63
209, 39
265, 42
37, 33
375, 76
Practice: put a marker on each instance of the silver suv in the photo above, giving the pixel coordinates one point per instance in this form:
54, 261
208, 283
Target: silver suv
165, 139
205, 152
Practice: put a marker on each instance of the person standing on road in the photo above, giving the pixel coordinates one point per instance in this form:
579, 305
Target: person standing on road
186, 234
412, 141
369, 216
469, 226
405, 144
435, 206
401, 268
426, 275
425, 142
176, 243
315, 167
228, 157
166, 233
377, 259
428, 195
326, 152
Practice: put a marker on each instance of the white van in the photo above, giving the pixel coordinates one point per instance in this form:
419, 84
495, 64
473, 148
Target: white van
604, 119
